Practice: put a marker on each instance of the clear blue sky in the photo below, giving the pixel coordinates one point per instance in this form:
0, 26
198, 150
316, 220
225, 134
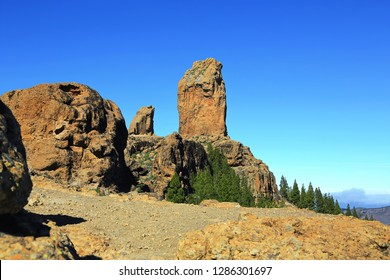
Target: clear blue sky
308, 82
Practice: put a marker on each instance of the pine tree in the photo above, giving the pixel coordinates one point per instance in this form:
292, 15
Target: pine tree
354, 213
328, 204
295, 194
246, 198
348, 212
303, 198
283, 187
310, 199
175, 192
319, 201
337, 208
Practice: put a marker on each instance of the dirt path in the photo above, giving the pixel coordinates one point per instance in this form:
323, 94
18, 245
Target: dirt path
132, 227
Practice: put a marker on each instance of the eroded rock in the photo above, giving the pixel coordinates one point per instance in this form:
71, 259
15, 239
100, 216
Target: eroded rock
253, 238
15, 181
143, 123
71, 134
202, 100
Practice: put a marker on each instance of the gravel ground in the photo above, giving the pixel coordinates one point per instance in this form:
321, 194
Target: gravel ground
132, 226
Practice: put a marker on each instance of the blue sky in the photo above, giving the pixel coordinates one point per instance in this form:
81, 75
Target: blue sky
308, 82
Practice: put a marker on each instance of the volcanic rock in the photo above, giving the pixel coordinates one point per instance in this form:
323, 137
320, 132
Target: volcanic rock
154, 160
29, 236
202, 100
316, 238
15, 181
142, 124
71, 134
177, 155
260, 179
140, 154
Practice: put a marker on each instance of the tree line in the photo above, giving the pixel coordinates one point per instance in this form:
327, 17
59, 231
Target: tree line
313, 199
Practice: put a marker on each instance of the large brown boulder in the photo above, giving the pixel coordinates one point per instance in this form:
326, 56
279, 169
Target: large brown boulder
142, 123
71, 134
202, 100
253, 238
15, 181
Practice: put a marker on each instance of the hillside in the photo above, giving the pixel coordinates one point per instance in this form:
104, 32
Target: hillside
138, 227
379, 214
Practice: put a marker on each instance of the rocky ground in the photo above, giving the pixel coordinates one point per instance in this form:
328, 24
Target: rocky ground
134, 226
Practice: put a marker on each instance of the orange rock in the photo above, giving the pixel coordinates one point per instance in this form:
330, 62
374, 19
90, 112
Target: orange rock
318, 238
71, 134
142, 123
202, 100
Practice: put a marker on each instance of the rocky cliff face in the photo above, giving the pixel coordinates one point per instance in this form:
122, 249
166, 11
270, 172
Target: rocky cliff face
202, 100
175, 154
142, 123
71, 134
15, 182
154, 160
240, 158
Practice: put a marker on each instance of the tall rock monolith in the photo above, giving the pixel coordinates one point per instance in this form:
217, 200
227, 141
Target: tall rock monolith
202, 100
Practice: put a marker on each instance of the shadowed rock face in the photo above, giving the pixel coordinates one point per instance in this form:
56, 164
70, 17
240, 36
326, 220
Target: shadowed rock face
71, 134
202, 100
142, 124
15, 182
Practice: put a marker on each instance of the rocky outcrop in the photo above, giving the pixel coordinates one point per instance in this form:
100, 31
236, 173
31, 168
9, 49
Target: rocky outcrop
177, 155
253, 238
240, 158
142, 124
71, 134
202, 111
154, 160
140, 154
260, 179
29, 236
202, 100
15, 181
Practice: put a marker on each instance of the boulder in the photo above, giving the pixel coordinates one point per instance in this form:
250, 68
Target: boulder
202, 100
71, 134
292, 238
142, 123
15, 181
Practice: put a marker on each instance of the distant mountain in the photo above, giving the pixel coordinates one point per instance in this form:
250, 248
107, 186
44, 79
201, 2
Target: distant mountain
380, 214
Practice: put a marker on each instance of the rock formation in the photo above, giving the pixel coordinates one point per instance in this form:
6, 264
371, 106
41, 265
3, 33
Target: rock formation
71, 134
27, 236
202, 100
154, 160
15, 181
177, 155
253, 238
202, 111
142, 124
260, 178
